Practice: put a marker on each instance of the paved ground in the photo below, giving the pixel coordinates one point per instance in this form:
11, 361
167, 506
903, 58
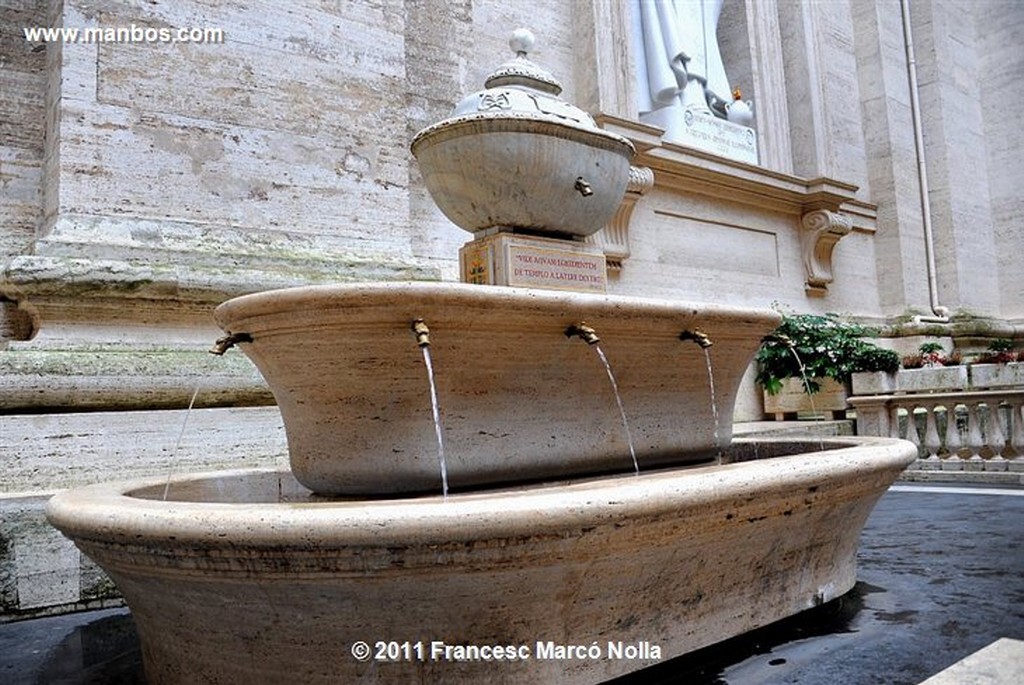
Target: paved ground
941, 576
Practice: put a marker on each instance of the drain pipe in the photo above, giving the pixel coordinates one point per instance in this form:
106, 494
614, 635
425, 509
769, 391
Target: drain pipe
941, 314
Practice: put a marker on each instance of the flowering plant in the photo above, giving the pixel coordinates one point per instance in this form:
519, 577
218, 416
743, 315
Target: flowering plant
809, 346
1001, 351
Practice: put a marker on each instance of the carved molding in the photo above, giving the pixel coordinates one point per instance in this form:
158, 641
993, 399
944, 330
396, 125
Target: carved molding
822, 229
613, 239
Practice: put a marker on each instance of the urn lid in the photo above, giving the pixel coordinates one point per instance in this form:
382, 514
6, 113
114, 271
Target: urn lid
520, 89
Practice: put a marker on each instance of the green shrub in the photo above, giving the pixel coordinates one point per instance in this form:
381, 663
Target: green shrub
824, 346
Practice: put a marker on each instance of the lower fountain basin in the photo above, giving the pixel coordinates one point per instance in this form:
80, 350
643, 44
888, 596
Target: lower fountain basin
245, 575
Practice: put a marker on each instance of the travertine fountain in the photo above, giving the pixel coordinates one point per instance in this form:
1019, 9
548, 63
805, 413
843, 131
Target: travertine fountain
564, 540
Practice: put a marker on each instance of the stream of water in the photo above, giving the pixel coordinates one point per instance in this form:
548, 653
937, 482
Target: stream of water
437, 420
618, 401
714, 406
807, 389
177, 443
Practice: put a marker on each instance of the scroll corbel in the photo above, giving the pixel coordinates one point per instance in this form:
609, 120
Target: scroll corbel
821, 230
613, 239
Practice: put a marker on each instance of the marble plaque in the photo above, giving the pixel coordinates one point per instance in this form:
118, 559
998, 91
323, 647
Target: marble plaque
530, 262
718, 136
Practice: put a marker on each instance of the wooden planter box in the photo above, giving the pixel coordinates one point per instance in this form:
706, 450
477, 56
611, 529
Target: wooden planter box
793, 400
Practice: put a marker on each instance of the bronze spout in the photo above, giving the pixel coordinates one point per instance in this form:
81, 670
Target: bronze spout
779, 338
583, 332
228, 341
422, 332
583, 187
698, 337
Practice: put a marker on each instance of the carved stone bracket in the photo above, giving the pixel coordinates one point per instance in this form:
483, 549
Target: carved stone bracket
822, 229
613, 239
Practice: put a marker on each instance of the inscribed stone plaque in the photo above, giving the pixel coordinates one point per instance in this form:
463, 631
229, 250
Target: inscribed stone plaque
719, 136
531, 262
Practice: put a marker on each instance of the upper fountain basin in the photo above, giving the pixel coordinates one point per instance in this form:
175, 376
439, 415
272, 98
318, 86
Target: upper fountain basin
519, 399
517, 157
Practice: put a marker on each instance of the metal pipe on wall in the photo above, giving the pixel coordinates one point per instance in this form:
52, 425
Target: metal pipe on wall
941, 314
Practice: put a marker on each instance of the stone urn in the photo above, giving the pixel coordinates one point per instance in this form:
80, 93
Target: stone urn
516, 157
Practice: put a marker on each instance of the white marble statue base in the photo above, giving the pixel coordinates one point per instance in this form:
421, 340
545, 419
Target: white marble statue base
706, 132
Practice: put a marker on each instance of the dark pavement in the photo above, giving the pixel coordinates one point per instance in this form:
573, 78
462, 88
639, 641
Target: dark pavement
941, 575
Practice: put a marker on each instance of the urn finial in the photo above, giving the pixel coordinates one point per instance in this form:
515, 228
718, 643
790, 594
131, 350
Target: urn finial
521, 41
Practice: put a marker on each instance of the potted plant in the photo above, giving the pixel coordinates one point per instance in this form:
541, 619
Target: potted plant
931, 370
815, 355
1000, 366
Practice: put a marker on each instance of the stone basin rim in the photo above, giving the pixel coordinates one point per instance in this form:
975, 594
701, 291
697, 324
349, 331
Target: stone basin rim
108, 512
482, 123
374, 295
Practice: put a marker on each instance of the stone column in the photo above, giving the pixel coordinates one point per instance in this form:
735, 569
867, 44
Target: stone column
999, 24
823, 98
769, 85
891, 158
951, 78
605, 67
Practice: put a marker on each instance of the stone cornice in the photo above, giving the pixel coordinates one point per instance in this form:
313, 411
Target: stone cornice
828, 209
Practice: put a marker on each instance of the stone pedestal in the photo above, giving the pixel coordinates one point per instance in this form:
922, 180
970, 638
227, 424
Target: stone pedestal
531, 262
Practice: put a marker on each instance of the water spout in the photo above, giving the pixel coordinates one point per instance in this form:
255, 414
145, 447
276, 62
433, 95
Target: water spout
224, 344
583, 187
698, 337
779, 338
583, 332
422, 332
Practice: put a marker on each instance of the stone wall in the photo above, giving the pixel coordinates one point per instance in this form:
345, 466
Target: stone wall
22, 123
999, 25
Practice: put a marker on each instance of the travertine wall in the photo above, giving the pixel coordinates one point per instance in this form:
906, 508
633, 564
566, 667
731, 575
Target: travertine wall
999, 25
290, 138
22, 123
143, 183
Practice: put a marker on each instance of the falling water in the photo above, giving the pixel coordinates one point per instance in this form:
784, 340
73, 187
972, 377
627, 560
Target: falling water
177, 443
714, 405
807, 389
618, 400
437, 420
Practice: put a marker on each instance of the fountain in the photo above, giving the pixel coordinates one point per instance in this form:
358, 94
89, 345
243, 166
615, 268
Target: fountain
560, 539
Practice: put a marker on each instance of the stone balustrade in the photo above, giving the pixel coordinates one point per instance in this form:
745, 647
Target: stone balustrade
979, 430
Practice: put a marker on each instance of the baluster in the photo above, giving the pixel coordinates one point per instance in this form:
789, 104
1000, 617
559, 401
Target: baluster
953, 440
1017, 435
975, 440
912, 434
931, 462
932, 441
894, 421
996, 437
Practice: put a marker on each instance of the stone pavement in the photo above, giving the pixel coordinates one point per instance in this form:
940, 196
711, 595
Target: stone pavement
941, 578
